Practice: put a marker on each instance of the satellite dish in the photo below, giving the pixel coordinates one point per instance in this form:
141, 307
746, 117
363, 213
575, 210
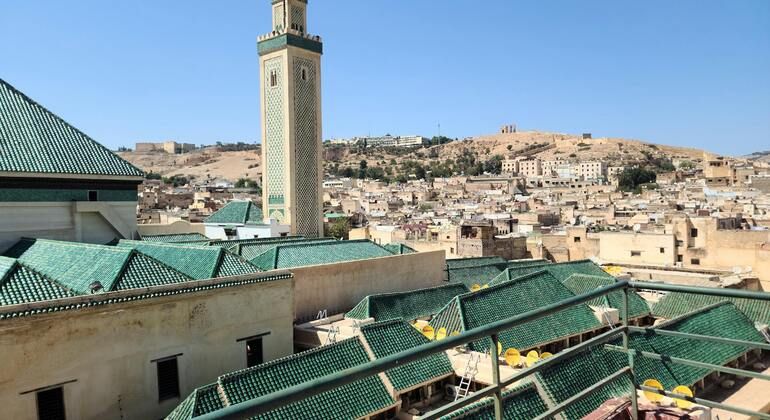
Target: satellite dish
454, 333
652, 396
486, 286
545, 355
532, 358
475, 287
427, 331
499, 348
683, 404
417, 326
441, 333
512, 357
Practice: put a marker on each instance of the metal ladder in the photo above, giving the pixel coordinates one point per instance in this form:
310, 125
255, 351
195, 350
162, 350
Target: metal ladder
766, 334
470, 372
331, 338
605, 314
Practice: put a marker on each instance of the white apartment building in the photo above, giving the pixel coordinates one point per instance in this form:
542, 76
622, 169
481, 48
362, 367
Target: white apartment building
591, 170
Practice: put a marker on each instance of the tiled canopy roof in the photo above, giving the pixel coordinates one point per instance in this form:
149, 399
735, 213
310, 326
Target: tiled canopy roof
479, 274
515, 297
559, 270
33, 139
521, 403
351, 401
197, 262
391, 337
582, 283
473, 262
237, 213
674, 304
407, 305
176, 238
314, 253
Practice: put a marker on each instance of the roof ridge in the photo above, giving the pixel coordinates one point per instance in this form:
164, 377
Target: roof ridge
11, 268
49, 279
161, 263
170, 245
72, 244
62, 120
510, 282
405, 292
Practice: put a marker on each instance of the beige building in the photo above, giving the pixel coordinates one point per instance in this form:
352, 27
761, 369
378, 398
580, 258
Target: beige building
510, 166
170, 147
290, 97
530, 168
592, 170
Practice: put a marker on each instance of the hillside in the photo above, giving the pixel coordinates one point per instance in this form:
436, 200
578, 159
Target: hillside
214, 164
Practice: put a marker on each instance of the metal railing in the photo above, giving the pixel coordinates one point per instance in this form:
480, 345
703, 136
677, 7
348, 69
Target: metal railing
490, 331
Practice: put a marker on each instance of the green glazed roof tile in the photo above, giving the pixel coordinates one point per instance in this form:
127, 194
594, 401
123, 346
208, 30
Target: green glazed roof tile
520, 403
480, 274
300, 255
252, 250
398, 249
409, 305
177, 237
512, 298
33, 139
202, 401
390, 337
237, 213
19, 284
675, 304
582, 283
473, 262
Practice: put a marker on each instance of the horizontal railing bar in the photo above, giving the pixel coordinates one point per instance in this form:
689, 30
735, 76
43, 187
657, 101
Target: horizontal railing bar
564, 355
657, 331
693, 363
707, 403
310, 388
711, 291
456, 405
582, 394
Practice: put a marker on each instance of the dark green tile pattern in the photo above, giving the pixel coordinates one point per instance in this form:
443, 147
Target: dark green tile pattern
409, 305
398, 249
350, 401
202, 401
300, 255
176, 237
480, 275
237, 213
250, 251
675, 304
20, 285
390, 337
143, 271
473, 262
33, 139
233, 265
582, 283
513, 298
520, 403
38, 195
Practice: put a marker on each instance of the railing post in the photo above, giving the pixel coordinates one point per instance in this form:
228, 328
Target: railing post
626, 332
496, 379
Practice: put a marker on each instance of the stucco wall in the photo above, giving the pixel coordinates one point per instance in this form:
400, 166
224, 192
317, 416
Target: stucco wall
108, 351
338, 287
618, 247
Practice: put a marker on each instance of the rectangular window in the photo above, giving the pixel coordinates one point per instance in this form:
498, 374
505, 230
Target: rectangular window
636, 253
50, 404
273, 78
662, 250
254, 355
93, 195
679, 243
694, 233
695, 261
679, 258
576, 239
168, 379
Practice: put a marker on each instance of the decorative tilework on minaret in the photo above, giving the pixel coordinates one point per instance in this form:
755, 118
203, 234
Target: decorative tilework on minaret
290, 95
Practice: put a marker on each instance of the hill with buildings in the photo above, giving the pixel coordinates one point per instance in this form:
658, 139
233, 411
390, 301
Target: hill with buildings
470, 156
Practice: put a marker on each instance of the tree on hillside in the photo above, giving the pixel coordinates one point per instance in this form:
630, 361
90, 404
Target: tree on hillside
362, 168
631, 179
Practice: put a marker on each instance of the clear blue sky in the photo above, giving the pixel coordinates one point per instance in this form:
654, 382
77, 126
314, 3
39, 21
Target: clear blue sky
685, 72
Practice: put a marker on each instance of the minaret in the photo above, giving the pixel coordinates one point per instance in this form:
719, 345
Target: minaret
290, 97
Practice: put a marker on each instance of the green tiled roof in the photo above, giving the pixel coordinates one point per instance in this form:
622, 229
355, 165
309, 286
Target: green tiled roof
291, 255
520, 403
527, 263
231, 244
203, 400
398, 249
407, 305
390, 337
566, 378
19, 284
249, 251
582, 283
719, 320
512, 298
481, 274
473, 262
674, 304
350, 401
237, 213
177, 237
33, 139
559, 270
197, 262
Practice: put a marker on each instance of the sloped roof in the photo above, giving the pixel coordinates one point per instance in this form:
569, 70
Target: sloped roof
474, 262
560, 270
34, 140
300, 255
197, 262
398, 249
19, 284
351, 401
675, 304
523, 402
177, 237
478, 274
581, 283
237, 213
407, 305
391, 337
249, 251
512, 298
